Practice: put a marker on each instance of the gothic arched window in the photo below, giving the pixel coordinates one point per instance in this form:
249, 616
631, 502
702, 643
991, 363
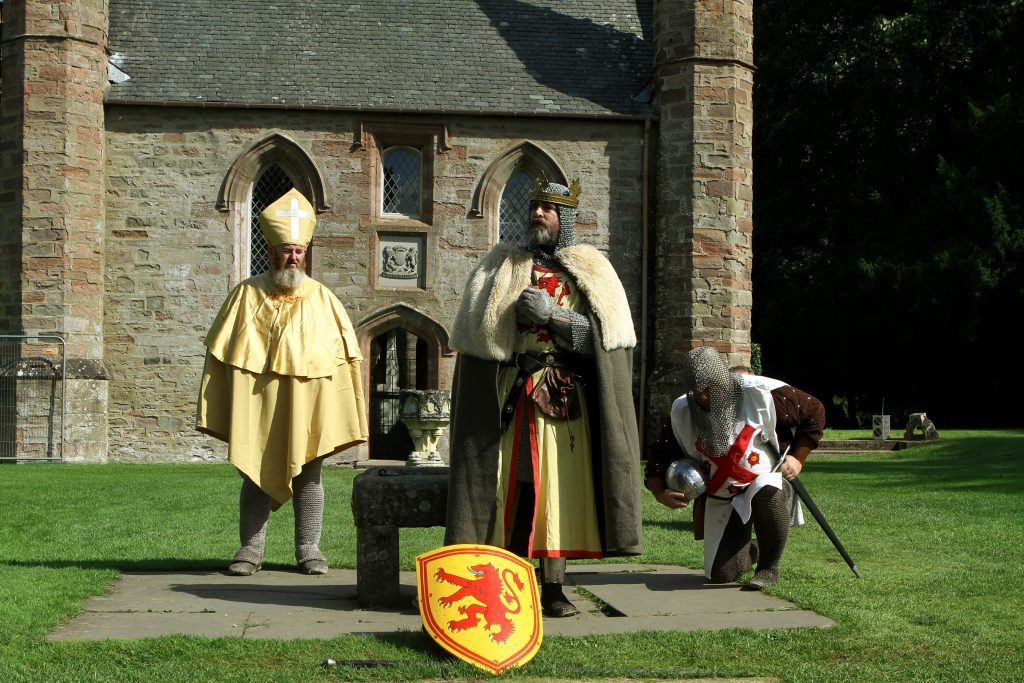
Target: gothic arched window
503, 194
271, 183
259, 176
514, 210
404, 349
400, 195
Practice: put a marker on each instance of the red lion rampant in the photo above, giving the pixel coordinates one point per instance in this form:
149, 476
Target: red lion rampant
487, 589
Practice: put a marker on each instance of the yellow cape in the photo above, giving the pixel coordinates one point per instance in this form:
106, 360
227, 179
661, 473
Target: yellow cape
303, 334
282, 382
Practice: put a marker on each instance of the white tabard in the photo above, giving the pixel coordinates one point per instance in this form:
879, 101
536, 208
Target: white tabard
749, 465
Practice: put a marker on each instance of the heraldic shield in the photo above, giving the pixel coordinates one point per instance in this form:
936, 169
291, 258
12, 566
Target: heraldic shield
480, 603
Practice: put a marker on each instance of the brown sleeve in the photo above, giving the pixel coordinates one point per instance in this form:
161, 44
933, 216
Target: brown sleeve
800, 418
662, 451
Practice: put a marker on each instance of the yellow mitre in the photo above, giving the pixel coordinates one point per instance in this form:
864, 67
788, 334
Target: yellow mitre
290, 219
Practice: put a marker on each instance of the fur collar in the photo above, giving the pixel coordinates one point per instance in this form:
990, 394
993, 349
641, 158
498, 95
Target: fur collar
485, 325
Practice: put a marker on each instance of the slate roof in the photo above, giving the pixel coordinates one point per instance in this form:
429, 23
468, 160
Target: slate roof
529, 57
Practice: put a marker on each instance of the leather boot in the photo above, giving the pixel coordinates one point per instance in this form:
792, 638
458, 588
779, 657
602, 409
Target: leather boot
552, 598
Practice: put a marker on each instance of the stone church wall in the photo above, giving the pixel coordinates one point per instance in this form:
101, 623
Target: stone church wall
170, 254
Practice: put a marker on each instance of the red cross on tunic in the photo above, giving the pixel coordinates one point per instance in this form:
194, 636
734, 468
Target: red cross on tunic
728, 466
549, 283
541, 332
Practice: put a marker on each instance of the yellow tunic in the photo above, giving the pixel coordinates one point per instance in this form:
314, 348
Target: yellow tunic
282, 381
565, 517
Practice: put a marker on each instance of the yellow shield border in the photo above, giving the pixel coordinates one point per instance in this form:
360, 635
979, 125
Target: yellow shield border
442, 591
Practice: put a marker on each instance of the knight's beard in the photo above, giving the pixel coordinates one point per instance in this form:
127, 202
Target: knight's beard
288, 279
543, 236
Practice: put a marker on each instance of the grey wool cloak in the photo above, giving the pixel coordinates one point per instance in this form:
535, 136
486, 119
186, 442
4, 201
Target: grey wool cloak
483, 335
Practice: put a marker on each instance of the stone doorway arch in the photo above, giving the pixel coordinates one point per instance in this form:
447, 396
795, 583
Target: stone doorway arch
402, 349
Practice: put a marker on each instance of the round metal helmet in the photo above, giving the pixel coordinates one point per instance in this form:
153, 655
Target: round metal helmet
685, 476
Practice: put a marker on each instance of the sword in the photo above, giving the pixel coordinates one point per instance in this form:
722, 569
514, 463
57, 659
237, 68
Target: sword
798, 486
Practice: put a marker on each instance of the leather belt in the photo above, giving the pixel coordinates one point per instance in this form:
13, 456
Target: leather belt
528, 363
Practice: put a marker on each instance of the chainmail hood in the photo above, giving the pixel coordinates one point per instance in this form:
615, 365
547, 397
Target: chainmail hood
703, 369
566, 202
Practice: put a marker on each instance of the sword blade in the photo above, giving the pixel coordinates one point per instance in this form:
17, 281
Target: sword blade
798, 486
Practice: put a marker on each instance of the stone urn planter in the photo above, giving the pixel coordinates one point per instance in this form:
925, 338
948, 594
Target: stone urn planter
425, 413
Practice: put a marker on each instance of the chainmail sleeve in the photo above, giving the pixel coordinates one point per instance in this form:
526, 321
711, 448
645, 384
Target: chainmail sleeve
568, 325
582, 334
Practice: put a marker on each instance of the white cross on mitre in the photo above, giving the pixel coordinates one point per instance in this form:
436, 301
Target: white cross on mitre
295, 213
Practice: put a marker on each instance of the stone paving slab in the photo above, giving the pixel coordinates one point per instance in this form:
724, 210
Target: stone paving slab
667, 598
284, 605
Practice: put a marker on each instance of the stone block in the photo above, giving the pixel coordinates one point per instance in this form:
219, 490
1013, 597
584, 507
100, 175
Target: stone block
383, 500
377, 566
407, 497
920, 426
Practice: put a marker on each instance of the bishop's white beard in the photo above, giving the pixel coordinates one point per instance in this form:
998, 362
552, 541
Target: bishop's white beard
288, 279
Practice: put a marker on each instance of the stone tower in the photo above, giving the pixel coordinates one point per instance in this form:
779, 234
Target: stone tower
703, 53
54, 61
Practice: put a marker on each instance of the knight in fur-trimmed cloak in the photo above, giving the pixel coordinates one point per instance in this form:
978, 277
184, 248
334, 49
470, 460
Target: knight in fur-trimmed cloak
544, 446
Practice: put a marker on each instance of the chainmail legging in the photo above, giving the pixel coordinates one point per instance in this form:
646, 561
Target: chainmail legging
308, 504
769, 519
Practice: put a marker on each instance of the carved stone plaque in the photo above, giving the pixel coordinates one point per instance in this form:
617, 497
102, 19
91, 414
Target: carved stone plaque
400, 260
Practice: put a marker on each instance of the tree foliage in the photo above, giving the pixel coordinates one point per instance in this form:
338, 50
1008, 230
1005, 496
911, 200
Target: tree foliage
888, 206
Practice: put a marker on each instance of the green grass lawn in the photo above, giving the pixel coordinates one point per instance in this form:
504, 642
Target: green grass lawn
937, 532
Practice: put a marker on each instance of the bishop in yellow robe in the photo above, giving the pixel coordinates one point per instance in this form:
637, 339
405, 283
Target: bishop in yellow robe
282, 387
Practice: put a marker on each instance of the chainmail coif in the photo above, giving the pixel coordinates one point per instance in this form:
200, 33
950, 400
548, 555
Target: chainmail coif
566, 216
704, 368
567, 226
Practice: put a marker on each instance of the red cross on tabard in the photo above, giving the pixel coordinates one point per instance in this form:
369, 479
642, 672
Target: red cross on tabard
728, 465
549, 283
541, 332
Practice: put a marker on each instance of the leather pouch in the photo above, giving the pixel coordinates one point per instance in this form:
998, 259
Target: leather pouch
557, 395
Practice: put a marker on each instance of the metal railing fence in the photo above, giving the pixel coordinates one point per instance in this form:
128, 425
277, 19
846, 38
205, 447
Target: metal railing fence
32, 398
